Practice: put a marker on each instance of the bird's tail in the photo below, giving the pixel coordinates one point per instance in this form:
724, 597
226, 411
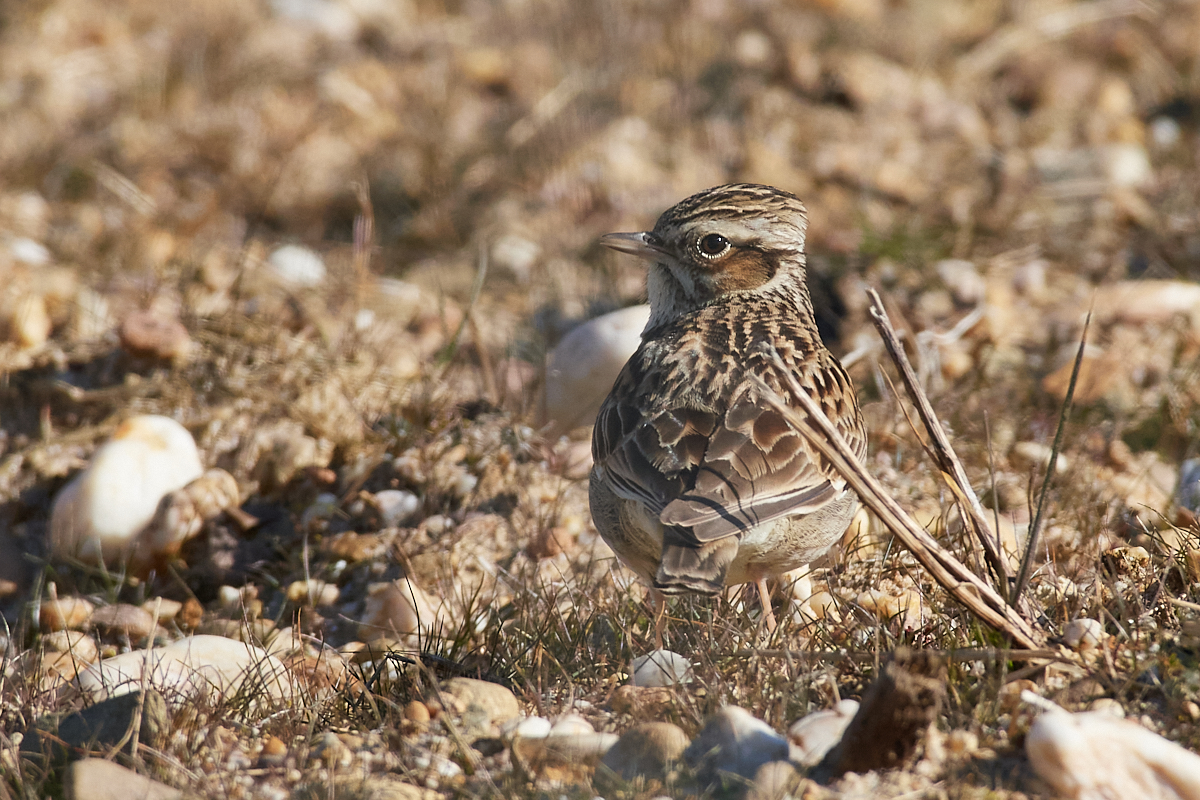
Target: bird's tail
694, 567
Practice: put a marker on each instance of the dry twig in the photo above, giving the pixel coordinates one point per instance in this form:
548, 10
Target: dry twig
962, 584
940, 450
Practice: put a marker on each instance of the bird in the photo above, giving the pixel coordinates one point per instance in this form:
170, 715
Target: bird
697, 483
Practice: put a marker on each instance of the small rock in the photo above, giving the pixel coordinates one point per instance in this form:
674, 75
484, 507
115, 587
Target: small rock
100, 727
99, 514
66, 613
1188, 494
181, 514
582, 368
963, 280
550, 542
1127, 164
76, 643
1032, 455
775, 780
30, 325
162, 609
145, 334
313, 592
417, 712
641, 702
401, 607
660, 668
497, 703
273, 752
98, 779
569, 759
646, 751
201, 665
570, 724
396, 507
734, 741
330, 750
133, 621
1083, 634
526, 727
813, 736
297, 266
1093, 755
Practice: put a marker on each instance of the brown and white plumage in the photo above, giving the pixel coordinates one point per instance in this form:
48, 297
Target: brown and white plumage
697, 483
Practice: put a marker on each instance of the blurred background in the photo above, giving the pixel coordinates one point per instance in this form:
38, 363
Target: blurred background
345, 215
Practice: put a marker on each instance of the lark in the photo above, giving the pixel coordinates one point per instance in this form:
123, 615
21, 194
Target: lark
698, 484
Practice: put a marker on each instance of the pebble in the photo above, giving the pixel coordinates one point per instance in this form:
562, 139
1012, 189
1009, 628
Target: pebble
99, 779
30, 324
313, 592
526, 728
646, 751
70, 612
99, 727
1033, 455
401, 607
181, 514
396, 507
660, 668
963, 280
775, 780
416, 711
201, 665
642, 702
569, 724
297, 266
273, 752
581, 370
1096, 755
165, 610
570, 758
734, 741
145, 334
497, 703
1083, 634
133, 621
1188, 494
100, 513
78, 644
813, 736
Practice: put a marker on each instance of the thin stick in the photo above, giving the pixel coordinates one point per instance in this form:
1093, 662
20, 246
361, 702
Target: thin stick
962, 584
1063, 416
958, 656
947, 461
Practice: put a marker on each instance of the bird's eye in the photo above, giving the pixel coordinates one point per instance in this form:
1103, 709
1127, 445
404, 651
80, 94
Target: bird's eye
712, 245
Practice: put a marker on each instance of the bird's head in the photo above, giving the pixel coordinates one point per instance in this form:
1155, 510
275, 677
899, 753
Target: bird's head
729, 239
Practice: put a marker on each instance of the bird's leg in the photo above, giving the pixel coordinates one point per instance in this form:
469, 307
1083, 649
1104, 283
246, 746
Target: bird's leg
765, 598
658, 602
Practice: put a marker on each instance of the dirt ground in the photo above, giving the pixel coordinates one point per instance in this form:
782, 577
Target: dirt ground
359, 227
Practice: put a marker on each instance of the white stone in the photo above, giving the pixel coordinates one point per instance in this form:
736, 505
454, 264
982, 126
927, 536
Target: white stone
102, 510
1096, 756
297, 266
526, 728
660, 668
27, 251
581, 370
963, 280
1083, 634
206, 666
813, 736
401, 607
734, 741
570, 724
396, 506
1127, 164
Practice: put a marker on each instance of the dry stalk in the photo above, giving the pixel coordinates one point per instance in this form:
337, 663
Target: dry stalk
962, 584
940, 450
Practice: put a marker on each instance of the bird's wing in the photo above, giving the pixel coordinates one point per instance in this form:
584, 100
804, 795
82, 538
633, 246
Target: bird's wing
712, 475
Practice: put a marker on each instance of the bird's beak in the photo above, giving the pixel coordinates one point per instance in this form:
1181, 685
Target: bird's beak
642, 245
